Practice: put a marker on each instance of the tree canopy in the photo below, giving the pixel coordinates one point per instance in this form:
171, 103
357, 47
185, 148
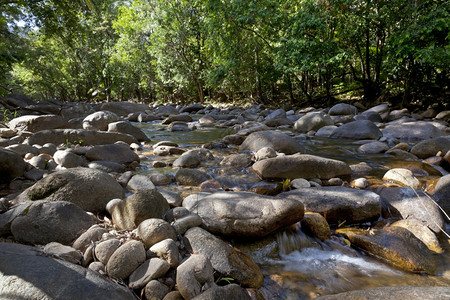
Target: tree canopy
269, 51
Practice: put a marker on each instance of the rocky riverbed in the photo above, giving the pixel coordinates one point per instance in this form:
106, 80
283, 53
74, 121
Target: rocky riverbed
125, 201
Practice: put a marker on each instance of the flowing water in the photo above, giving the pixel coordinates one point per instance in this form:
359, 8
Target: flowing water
295, 265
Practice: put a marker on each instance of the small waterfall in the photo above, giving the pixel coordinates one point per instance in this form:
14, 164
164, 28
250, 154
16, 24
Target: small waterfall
294, 239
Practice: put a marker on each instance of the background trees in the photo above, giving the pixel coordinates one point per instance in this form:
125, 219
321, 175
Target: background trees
306, 52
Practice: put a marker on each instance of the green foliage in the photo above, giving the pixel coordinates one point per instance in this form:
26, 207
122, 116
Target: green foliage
7, 115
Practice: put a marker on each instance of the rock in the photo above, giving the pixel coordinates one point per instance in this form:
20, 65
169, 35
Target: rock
44, 222
359, 130
326, 131
442, 193
140, 183
40, 161
312, 121
151, 269
23, 149
156, 290
343, 109
88, 188
395, 244
181, 225
300, 183
278, 141
227, 292
166, 110
93, 234
405, 202
105, 249
99, 120
191, 177
227, 260
124, 108
373, 148
360, 183
118, 152
237, 160
266, 188
401, 154
152, 231
179, 126
50, 278
244, 214
7, 133
371, 116
193, 274
142, 205
338, 204
33, 123
177, 118
393, 293
233, 139
12, 165
68, 159
381, 109
159, 179
127, 128
174, 199
191, 108
421, 232
126, 259
78, 136
107, 166
167, 250
143, 117
412, 131
98, 267
428, 148
265, 152
301, 166
63, 252
403, 177
187, 160
316, 225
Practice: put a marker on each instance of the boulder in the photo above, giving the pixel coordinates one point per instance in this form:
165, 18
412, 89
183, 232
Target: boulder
227, 260
127, 128
412, 131
301, 166
244, 214
33, 123
63, 252
44, 222
191, 177
88, 188
193, 274
78, 136
316, 225
126, 259
152, 231
358, 130
118, 152
403, 177
421, 232
238, 160
142, 205
373, 148
12, 165
175, 118
312, 121
188, 159
99, 120
107, 166
124, 108
68, 159
49, 278
442, 193
428, 148
191, 108
166, 110
338, 204
278, 141
343, 109
140, 183
395, 244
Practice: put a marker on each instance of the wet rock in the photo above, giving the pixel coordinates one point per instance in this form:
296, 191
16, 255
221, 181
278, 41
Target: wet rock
193, 275
301, 166
156, 290
191, 177
65, 281
12, 165
402, 176
88, 188
126, 259
78, 136
151, 269
152, 231
373, 148
237, 160
405, 202
68, 159
312, 121
243, 213
34, 123
63, 252
167, 250
278, 141
401, 154
412, 131
442, 193
118, 152
105, 249
127, 128
44, 222
179, 126
395, 244
99, 120
316, 225
360, 130
93, 234
227, 260
343, 109
421, 232
431, 147
142, 205
140, 183
339, 204
227, 292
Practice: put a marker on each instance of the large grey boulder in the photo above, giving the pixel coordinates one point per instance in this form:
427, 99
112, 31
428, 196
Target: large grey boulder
12, 165
44, 222
99, 120
431, 147
358, 130
127, 128
142, 205
244, 214
90, 189
227, 260
301, 166
34, 123
442, 193
412, 131
278, 141
312, 121
118, 152
339, 204
27, 273
79, 136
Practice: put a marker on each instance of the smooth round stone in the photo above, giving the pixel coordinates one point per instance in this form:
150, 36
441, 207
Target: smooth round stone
360, 183
402, 176
300, 183
152, 231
